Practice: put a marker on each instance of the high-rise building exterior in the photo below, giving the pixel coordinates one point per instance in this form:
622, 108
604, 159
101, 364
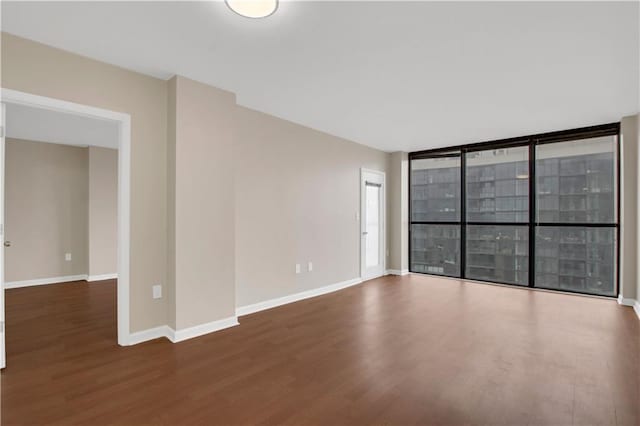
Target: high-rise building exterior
570, 239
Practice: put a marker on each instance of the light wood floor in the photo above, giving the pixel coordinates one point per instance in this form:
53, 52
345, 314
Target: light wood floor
410, 350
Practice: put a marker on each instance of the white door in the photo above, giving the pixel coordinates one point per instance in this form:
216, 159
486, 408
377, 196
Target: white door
372, 256
2, 132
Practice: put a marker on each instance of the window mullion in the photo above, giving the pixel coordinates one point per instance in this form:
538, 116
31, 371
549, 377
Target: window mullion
463, 213
532, 212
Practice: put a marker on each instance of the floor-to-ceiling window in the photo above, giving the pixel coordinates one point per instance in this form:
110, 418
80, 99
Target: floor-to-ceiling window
435, 214
538, 211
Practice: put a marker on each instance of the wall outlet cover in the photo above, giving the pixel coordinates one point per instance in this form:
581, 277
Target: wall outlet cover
310, 266
157, 291
298, 269
67, 257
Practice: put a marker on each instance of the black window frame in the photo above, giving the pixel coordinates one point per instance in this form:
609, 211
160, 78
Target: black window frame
530, 141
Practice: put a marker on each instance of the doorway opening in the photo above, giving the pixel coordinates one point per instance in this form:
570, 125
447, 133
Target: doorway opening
60, 114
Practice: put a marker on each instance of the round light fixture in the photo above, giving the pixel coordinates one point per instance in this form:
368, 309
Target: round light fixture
253, 8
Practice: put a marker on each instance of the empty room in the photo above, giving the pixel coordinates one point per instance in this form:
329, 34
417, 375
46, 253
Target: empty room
61, 187
320, 213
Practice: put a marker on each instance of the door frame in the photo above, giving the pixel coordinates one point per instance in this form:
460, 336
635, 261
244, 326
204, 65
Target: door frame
364, 173
3, 123
123, 121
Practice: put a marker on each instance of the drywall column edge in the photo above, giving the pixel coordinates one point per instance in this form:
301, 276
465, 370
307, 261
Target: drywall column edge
170, 289
204, 208
103, 212
404, 211
399, 210
629, 207
637, 212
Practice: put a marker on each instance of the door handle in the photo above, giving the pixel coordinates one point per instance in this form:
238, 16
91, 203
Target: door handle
364, 233
7, 243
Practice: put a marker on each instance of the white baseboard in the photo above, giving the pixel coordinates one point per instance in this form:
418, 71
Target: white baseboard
150, 334
44, 281
626, 301
199, 330
176, 336
272, 303
397, 272
102, 277
57, 280
635, 304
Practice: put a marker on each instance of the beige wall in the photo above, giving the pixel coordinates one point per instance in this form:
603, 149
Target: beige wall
201, 182
308, 183
629, 207
35, 68
103, 211
46, 210
220, 219
170, 291
635, 192
638, 213
398, 211
60, 199
297, 195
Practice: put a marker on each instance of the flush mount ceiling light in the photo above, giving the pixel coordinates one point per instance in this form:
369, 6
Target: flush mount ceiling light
253, 8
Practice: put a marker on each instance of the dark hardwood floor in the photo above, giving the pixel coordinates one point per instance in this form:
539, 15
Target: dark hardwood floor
409, 350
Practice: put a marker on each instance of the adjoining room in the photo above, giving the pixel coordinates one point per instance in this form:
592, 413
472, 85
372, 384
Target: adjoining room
61, 185
60, 228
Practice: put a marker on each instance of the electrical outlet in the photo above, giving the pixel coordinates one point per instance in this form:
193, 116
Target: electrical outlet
67, 257
298, 269
310, 266
157, 291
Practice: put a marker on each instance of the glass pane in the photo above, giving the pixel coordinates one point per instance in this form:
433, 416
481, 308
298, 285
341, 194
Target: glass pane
435, 189
435, 249
498, 185
576, 181
498, 253
576, 259
373, 225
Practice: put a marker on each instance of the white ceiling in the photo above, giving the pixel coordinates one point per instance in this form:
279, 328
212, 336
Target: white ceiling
42, 125
392, 75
